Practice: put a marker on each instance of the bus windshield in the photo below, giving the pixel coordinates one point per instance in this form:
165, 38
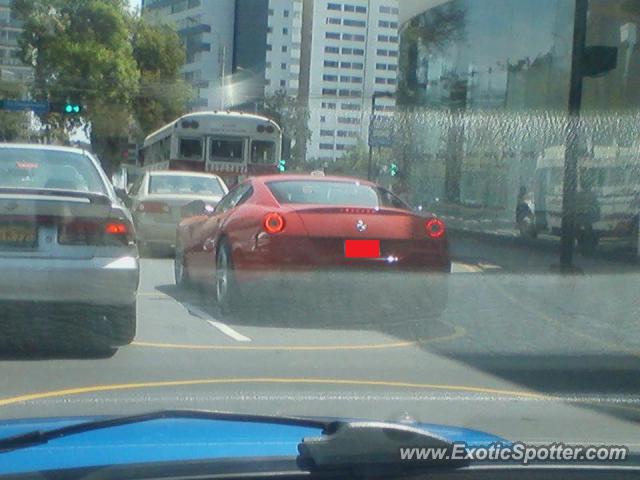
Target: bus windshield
226, 150
262, 152
191, 148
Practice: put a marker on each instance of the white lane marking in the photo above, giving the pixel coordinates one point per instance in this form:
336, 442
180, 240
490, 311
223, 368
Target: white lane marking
225, 329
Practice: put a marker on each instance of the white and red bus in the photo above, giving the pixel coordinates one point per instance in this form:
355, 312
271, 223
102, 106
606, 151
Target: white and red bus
229, 144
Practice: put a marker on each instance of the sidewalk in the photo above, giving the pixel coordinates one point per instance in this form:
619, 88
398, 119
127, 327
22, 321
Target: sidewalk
500, 231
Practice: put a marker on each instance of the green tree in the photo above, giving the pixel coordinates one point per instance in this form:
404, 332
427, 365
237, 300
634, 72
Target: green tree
12, 124
94, 52
293, 117
163, 94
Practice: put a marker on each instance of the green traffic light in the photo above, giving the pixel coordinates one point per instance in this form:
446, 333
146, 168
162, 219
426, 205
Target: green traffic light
282, 166
72, 108
394, 170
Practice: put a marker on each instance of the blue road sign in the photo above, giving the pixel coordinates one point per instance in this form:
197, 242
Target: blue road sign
24, 105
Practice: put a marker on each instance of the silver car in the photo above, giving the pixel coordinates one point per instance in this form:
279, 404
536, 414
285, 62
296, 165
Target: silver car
158, 198
67, 244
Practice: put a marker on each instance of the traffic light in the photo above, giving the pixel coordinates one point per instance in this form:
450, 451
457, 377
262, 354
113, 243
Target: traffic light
69, 108
394, 170
282, 166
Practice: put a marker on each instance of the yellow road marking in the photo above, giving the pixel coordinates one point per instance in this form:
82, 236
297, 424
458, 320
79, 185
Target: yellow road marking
297, 381
458, 333
472, 268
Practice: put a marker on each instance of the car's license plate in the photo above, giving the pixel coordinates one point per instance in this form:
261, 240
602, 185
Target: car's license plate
19, 236
362, 248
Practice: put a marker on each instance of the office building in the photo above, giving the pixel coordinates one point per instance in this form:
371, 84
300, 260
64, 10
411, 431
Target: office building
354, 53
207, 30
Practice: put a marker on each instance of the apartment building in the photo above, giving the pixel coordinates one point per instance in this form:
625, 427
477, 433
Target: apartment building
354, 53
284, 45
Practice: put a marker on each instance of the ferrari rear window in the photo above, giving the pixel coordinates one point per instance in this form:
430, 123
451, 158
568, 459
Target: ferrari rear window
325, 192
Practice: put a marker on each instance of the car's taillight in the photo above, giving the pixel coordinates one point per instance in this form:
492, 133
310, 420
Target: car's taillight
273, 223
435, 228
95, 232
118, 232
153, 207
79, 232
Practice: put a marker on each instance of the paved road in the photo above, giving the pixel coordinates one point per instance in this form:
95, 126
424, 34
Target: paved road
518, 351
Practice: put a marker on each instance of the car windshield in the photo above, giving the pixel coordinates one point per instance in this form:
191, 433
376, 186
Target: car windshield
30, 168
424, 211
184, 185
353, 194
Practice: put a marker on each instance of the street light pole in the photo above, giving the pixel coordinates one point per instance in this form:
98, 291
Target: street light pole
223, 72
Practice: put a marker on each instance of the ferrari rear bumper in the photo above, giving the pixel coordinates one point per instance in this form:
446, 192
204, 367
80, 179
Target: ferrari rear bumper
300, 254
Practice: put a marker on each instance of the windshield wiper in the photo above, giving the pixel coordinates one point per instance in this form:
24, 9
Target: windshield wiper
365, 448
39, 437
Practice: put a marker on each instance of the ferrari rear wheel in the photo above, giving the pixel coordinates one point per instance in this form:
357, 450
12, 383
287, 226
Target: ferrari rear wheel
179, 270
226, 288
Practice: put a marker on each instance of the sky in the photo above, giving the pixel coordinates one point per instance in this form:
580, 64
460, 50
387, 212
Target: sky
134, 3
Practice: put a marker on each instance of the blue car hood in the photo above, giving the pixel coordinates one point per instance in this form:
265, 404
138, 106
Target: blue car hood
167, 440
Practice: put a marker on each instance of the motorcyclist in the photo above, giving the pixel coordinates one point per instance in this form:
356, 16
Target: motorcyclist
524, 214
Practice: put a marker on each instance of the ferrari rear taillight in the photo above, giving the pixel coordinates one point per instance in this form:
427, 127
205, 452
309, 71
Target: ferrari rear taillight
153, 207
273, 223
435, 228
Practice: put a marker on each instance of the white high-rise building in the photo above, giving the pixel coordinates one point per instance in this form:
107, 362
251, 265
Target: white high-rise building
330, 55
207, 30
11, 67
283, 49
354, 53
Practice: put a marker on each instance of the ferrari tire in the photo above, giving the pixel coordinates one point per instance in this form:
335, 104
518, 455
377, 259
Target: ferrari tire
226, 292
180, 272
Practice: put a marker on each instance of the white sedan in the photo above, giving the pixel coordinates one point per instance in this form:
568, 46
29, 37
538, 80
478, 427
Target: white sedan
157, 200
67, 244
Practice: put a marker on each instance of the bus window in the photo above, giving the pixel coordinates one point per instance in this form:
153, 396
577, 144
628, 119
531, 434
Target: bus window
227, 150
191, 148
263, 152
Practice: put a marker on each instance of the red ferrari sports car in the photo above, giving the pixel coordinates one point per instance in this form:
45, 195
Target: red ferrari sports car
285, 223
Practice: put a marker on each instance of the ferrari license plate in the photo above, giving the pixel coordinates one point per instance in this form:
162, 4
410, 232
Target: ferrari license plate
362, 248
18, 236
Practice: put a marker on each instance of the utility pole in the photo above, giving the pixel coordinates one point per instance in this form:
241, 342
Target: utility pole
570, 184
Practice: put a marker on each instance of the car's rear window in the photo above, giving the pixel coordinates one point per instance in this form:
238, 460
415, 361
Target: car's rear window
185, 185
48, 169
333, 193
